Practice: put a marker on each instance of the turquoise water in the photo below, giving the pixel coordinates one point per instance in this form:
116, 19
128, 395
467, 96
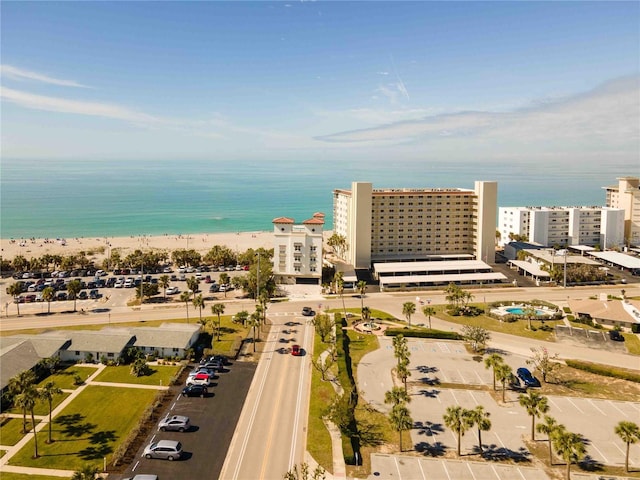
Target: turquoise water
520, 311
71, 198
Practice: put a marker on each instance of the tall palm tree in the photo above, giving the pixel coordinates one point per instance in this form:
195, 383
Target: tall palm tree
254, 322
73, 289
569, 446
400, 419
362, 289
15, 289
263, 300
217, 309
408, 309
548, 428
480, 418
224, 279
492, 361
535, 405
164, 282
47, 295
629, 433
18, 384
396, 396
338, 280
427, 312
27, 401
503, 373
365, 314
401, 348
48, 393
403, 372
198, 302
457, 419
185, 297
529, 313
193, 284
86, 472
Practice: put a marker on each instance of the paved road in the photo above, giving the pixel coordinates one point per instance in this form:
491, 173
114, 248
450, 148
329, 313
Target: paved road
271, 434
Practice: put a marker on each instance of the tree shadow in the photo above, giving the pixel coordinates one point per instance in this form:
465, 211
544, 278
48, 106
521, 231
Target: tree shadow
429, 393
72, 426
430, 381
590, 464
499, 351
436, 449
428, 428
425, 369
499, 454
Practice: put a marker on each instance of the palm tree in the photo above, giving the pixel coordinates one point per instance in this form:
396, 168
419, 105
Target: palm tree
403, 372
362, 289
18, 384
427, 312
185, 297
480, 418
536, 405
27, 401
15, 289
198, 302
48, 392
529, 312
408, 309
503, 373
365, 314
401, 349
47, 295
241, 317
548, 428
87, 472
164, 283
457, 419
193, 284
224, 279
254, 322
217, 309
338, 280
396, 396
73, 289
400, 419
492, 361
263, 300
629, 433
569, 446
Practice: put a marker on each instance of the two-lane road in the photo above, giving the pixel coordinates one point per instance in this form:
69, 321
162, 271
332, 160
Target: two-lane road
271, 434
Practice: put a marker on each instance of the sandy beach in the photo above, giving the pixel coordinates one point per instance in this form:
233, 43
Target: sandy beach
98, 248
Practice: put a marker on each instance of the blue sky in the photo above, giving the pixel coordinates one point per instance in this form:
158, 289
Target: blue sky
514, 81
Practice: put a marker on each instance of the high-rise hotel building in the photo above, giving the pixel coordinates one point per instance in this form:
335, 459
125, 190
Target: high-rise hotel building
409, 224
626, 196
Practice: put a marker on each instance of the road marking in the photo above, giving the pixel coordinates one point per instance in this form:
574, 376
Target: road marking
462, 376
135, 466
577, 407
621, 451
482, 382
495, 471
595, 406
521, 474
395, 459
444, 347
470, 470
555, 404
173, 405
296, 420
421, 469
606, 461
444, 376
454, 397
499, 439
474, 398
444, 465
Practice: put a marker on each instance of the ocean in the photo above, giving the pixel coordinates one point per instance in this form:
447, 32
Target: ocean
74, 198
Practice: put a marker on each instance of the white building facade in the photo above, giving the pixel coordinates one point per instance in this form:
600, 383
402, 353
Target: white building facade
297, 255
562, 226
626, 196
406, 224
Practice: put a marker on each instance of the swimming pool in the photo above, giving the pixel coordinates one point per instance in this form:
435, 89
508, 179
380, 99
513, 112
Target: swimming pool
520, 311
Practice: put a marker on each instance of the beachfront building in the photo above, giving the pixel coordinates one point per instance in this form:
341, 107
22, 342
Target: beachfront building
626, 196
297, 254
415, 224
562, 226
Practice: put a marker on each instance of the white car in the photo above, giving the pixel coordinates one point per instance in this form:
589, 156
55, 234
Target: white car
118, 284
172, 290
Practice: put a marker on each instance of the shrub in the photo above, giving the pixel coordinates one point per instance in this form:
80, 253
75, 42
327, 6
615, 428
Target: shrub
604, 370
441, 334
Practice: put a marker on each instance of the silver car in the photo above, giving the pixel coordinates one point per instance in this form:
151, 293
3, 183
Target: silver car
178, 423
166, 449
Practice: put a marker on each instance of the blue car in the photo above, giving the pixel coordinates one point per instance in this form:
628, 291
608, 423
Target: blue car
529, 380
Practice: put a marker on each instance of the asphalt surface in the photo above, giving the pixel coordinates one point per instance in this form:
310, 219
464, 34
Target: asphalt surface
213, 421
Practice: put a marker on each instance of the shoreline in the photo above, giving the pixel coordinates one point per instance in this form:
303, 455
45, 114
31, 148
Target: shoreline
98, 248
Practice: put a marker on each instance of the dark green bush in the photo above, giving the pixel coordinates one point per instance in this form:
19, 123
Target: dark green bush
604, 370
441, 334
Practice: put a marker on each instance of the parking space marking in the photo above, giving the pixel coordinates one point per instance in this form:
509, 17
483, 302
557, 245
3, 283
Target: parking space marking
612, 404
470, 470
454, 397
421, 469
576, 407
479, 378
444, 376
473, 397
444, 465
495, 471
555, 404
596, 407
499, 439
621, 451
606, 461
521, 474
395, 460
444, 347
464, 380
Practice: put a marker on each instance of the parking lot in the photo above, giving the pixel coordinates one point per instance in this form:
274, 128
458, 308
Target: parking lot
213, 421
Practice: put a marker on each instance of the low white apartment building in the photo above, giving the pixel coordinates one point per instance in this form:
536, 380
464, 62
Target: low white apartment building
626, 196
297, 254
562, 226
408, 224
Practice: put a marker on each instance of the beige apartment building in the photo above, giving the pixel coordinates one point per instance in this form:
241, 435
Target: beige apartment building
626, 196
297, 254
412, 224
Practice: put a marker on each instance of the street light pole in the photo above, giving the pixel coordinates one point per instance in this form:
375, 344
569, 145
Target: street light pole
258, 278
565, 269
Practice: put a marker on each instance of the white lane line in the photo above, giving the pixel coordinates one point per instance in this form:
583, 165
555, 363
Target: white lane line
495, 471
296, 421
173, 405
606, 461
577, 407
421, 469
454, 397
395, 459
473, 397
444, 465
470, 470
135, 466
464, 380
596, 407
555, 405
521, 474
482, 382
499, 439
444, 376
621, 451
613, 405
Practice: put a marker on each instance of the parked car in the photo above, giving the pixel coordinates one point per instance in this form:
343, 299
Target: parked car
118, 284
94, 294
199, 379
214, 288
178, 423
296, 351
172, 290
308, 312
203, 370
143, 476
195, 391
616, 336
527, 378
166, 449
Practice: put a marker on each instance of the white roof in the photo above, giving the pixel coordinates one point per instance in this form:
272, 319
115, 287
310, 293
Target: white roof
447, 265
531, 268
618, 258
447, 278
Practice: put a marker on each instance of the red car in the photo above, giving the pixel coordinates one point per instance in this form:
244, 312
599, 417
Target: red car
296, 351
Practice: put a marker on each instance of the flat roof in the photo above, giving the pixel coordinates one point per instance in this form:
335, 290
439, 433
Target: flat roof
451, 265
446, 278
622, 259
531, 268
544, 254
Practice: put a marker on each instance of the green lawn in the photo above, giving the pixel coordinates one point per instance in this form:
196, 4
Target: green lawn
64, 378
42, 407
160, 375
632, 343
230, 334
11, 430
89, 429
22, 476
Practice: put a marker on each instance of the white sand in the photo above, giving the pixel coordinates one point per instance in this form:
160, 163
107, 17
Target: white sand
202, 243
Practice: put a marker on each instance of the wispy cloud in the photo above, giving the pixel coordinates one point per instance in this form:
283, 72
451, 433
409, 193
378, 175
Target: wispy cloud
63, 105
608, 115
20, 74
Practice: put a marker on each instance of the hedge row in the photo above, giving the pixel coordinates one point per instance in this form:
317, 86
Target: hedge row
441, 334
604, 370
